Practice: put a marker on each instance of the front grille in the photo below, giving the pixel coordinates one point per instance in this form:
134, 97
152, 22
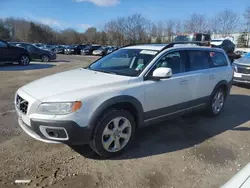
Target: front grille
243, 70
22, 104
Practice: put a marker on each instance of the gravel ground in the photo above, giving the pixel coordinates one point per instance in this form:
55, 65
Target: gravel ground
191, 151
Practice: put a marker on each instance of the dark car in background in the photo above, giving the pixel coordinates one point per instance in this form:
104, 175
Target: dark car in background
69, 49
10, 54
79, 47
35, 52
89, 49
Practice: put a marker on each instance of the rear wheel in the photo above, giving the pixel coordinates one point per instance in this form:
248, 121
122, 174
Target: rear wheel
216, 104
114, 133
24, 60
45, 58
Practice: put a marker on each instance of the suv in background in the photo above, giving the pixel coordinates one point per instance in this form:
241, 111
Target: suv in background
10, 54
129, 88
35, 52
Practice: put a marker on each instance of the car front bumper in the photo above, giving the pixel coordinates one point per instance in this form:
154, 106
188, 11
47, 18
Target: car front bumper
241, 78
53, 131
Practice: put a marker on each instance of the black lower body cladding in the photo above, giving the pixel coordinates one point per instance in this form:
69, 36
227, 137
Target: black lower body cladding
61, 129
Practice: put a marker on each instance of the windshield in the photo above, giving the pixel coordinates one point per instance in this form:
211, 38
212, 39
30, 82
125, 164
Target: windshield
128, 62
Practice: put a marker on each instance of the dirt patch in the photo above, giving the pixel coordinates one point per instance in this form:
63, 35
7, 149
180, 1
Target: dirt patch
214, 155
154, 179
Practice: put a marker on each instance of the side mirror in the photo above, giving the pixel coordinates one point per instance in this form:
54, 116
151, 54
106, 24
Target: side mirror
162, 72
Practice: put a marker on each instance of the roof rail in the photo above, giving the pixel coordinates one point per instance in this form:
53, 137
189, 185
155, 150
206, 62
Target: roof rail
198, 43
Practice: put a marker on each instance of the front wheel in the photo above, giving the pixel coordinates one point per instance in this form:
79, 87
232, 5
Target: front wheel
216, 104
114, 133
45, 58
24, 60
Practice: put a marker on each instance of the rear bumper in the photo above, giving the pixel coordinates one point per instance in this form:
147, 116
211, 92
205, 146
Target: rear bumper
52, 131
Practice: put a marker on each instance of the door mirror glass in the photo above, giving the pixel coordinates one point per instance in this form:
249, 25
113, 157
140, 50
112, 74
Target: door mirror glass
162, 72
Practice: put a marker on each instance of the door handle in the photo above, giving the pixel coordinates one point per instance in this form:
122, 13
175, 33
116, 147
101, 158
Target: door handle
211, 77
183, 82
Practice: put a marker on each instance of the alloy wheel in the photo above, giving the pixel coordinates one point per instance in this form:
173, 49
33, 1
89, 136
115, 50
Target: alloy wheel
116, 134
218, 102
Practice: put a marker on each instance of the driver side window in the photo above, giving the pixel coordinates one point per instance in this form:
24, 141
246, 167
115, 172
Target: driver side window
174, 60
3, 44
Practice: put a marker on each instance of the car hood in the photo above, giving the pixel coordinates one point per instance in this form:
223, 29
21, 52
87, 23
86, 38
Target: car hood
243, 61
72, 81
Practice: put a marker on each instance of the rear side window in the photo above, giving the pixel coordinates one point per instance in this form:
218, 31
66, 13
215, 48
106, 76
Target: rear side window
218, 59
198, 60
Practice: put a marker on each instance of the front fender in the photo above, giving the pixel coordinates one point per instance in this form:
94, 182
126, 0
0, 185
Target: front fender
116, 100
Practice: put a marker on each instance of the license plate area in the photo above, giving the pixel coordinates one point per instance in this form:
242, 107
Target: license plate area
246, 77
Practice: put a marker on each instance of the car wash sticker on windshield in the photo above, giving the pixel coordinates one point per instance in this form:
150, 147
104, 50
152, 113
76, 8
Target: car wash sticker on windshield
149, 52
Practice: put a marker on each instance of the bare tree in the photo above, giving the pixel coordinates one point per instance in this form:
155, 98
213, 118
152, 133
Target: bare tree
196, 23
170, 24
226, 21
178, 27
247, 19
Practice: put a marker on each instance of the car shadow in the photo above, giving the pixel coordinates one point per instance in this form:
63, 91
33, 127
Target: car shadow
32, 66
183, 132
246, 86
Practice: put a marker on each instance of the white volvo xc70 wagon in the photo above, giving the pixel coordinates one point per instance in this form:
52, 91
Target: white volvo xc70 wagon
103, 104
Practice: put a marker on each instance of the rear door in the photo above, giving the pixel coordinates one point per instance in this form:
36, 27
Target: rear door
202, 77
219, 70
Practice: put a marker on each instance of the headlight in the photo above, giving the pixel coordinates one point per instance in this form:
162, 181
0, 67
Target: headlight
59, 108
235, 67
52, 54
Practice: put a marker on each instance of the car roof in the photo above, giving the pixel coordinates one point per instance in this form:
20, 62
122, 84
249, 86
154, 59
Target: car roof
159, 47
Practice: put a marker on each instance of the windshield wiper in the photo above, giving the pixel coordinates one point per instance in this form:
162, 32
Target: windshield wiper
105, 71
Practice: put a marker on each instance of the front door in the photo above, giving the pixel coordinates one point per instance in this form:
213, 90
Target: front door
171, 95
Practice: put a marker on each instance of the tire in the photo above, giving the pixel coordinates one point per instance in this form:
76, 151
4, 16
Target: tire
217, 102
114, 133
45, 58
24, 60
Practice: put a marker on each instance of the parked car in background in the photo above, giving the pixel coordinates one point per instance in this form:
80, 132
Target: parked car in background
242, 53
35, 52
111, 49
11, 54
59, 49
89, 49
188, 37
68, 50
79, 47
39, 45
242, 69
101, 51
